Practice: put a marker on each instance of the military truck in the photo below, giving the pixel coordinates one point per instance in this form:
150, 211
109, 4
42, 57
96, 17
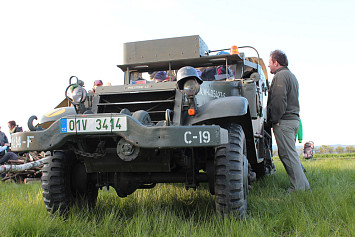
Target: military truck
190, 129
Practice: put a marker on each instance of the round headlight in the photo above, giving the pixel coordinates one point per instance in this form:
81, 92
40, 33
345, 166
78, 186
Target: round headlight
191, 87
76, 93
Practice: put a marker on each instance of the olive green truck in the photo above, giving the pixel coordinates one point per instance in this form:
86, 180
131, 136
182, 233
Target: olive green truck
209, 128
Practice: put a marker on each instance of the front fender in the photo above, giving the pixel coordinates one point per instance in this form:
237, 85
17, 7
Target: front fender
49, 118
226, 110
231, 106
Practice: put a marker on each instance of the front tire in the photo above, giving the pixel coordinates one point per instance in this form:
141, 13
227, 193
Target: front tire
61, 189
231, 174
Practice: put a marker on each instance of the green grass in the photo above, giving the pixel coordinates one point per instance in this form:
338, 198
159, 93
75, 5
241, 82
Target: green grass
169, 210
342, 155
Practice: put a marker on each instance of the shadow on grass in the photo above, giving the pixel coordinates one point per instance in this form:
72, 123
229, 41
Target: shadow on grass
164, 199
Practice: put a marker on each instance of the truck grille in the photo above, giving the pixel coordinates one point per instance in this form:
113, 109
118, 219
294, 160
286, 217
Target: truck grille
154, 102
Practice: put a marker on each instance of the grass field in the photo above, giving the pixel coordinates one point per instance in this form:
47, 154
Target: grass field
169, 210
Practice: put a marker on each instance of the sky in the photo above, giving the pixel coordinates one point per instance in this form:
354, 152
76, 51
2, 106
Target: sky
43, 43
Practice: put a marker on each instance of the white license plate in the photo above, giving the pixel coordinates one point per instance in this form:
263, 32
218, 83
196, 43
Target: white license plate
84, 125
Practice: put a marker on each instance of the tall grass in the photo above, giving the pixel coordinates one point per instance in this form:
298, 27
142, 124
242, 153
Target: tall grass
341, 155
169, 210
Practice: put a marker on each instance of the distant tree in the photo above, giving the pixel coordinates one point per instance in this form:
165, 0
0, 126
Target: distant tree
350, 149
322, 149
274, 153
339, 149
330, 149
326, 149
316, 150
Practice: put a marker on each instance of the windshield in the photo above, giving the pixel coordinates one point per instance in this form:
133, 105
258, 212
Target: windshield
152, 77
211, 73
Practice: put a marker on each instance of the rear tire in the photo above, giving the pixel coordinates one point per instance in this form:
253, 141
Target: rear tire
231, 174
60, 191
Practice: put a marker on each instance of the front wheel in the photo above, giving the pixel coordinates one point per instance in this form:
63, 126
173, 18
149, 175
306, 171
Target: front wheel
231, 174
65, 183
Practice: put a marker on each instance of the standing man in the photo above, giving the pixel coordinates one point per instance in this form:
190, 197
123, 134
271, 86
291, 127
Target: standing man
283, 114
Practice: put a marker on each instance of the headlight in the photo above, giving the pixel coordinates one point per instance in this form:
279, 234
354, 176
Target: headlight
191, 87
76, 93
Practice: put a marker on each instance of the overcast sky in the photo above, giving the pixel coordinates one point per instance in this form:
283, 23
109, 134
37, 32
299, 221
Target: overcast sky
43, 43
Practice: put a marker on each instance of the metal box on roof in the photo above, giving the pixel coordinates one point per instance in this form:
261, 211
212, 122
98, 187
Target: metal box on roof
164, 49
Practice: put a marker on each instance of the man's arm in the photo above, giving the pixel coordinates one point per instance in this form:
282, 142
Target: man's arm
3, 148
278, 99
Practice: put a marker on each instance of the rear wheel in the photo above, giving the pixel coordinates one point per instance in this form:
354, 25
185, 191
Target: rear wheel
231, 174
65, 183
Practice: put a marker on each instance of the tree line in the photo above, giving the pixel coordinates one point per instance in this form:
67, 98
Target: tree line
324, 149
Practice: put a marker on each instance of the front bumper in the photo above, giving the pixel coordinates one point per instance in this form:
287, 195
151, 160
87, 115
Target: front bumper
132, 131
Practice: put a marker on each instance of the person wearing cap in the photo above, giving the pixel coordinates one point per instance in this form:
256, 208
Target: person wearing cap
283, 115
159, 76
97, 83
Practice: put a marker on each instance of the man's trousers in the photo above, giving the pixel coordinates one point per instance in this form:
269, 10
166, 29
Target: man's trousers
285, 134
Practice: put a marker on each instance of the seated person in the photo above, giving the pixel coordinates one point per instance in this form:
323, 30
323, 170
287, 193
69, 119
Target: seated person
7, 156
208, 74
14, 128
139, 81
97, 83
157, 76
217, 74
221, 73
137, 78
160, 76
198, 71
169, 78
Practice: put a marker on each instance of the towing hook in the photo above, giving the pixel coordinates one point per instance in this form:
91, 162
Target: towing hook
30, 124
